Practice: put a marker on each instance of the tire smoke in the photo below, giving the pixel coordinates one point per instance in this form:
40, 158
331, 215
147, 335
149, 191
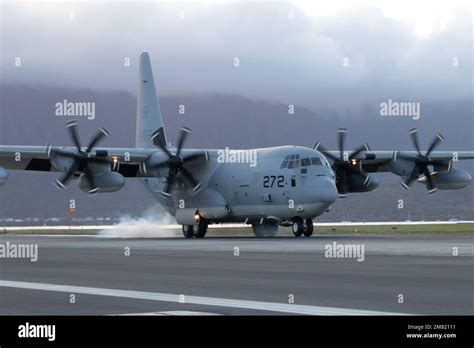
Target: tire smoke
154, 223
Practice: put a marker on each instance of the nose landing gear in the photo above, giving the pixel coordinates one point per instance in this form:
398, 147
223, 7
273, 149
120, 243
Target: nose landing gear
301, 226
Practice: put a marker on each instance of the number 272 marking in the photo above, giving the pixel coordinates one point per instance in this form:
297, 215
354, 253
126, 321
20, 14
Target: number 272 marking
269, 180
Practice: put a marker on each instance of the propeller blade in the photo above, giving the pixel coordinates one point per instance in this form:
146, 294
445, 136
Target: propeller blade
62, 182
341, 139
409, 181
361, 148
72, 127
434, 143
166, 192
197, 157
190, 178
101, 133
90, 180
367, 180
354, 170
185, 131
165, 150
414, 138
57, 152
343, 181
430, 186
405, 156
316, 145
325, 152
159, 165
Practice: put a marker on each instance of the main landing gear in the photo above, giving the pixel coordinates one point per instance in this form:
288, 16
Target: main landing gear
196, 231
265, 229
301, 226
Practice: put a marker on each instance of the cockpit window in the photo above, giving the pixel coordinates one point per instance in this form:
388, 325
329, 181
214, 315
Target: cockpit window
293, 161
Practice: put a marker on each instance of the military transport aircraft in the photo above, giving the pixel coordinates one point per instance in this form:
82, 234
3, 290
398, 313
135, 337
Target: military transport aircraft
267, 187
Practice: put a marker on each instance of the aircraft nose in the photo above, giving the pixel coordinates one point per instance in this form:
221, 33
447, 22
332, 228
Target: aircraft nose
327, 190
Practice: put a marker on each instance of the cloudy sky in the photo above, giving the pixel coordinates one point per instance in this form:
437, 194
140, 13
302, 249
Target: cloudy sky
306, 52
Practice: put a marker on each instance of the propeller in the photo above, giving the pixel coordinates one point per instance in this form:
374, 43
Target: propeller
177, 164
421, 161
80, 159
344, 168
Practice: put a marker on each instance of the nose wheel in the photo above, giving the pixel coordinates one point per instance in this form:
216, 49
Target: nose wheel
302, 227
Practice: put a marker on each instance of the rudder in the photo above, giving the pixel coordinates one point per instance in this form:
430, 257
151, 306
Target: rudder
150, 128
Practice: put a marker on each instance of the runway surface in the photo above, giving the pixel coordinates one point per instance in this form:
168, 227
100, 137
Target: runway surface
241, 275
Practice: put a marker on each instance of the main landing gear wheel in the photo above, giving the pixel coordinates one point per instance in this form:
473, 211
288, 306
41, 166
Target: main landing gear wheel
196, 231
265, 230
188, 231
297, 227
199, 230
308, 228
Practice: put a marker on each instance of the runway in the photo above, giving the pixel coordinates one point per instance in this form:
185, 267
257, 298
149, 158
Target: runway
238, 275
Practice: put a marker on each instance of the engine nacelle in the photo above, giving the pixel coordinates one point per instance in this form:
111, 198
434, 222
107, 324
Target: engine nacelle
454, 180
3, 176
106, 181
358, 184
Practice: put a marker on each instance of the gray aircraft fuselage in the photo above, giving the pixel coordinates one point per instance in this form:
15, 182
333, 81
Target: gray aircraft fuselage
256, 191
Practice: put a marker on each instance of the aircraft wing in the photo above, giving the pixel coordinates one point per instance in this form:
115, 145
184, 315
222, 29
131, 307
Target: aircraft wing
37, 158
379, 161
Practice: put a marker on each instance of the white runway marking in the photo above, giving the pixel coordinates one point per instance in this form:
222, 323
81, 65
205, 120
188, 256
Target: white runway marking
171, 313
198, 300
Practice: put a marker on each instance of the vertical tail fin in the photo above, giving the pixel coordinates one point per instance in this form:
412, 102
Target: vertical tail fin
150, 129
